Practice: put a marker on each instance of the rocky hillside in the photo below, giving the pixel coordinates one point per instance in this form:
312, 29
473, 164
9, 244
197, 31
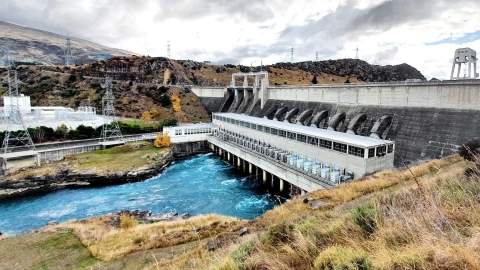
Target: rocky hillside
145, 83
35, 47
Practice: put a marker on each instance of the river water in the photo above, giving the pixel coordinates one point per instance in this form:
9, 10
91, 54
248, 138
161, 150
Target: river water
202, 184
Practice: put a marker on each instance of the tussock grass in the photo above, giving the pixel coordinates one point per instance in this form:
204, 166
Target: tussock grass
421, 218
427, 217
107, 242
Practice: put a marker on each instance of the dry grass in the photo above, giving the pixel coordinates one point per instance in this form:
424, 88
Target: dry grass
120, 158
43, 170
430, 221
424, 218
107, 242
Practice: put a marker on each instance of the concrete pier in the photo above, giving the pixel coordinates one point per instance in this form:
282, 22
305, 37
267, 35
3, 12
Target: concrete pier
269, 166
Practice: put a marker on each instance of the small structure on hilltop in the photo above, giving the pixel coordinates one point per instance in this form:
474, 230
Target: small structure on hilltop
468, 57
69, 58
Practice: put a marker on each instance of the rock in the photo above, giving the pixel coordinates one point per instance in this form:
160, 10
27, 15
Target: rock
316, 204
53, 222
1, 233
212, 246
185, 216
243, 231
306, 198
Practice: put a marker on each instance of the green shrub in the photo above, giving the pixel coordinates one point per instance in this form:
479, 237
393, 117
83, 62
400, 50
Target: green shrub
241, 253
342, 258
365, 216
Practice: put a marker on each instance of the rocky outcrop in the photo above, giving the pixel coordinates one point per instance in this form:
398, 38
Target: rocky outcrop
356, 68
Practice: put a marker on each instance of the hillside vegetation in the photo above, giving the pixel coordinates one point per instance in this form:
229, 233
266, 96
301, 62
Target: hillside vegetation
425, 217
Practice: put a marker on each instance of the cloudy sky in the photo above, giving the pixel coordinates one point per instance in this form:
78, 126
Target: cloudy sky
422, 33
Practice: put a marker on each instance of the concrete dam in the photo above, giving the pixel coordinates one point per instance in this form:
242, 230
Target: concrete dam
426, 120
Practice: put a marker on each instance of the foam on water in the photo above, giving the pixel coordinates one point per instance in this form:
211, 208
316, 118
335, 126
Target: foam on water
202, 184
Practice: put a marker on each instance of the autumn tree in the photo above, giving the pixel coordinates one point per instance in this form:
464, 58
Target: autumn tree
162, 140
146, 116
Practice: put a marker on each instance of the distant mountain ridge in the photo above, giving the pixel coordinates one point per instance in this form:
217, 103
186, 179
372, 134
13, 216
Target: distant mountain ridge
37, 47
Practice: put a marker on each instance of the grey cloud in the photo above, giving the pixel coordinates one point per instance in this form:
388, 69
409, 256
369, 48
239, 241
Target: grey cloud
254, 11
348, 23
385, 55
106, 23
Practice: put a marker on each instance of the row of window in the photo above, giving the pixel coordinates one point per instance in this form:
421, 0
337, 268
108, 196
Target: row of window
191, 131
336, 146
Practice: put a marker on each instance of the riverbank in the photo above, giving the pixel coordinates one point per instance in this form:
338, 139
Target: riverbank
131, 162
399, 219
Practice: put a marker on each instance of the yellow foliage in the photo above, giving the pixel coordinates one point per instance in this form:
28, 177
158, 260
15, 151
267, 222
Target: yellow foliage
162, 140
146, 116
127, 221
176, 103
154, 113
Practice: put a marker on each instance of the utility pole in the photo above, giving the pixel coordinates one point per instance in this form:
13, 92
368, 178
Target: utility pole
356, 54
111, 128
7, 60
69, 58
316, 56
168, 50
291, 61
16, 133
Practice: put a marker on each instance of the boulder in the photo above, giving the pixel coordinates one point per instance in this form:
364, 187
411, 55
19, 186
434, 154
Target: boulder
316, 204
306, 198
243, 231
212, 246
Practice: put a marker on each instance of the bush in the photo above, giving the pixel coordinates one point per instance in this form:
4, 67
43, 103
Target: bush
241, 253
127, 221
338, 257
470, 150
365, 216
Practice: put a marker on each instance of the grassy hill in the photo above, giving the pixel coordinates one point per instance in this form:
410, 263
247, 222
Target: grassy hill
424, 217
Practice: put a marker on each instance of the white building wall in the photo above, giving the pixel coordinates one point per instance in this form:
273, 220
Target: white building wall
358, 165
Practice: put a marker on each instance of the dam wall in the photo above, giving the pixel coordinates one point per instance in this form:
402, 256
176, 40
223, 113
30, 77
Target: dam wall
426, 120
464, 95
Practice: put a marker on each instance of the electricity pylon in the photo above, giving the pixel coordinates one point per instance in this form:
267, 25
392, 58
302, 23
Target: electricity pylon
111, 128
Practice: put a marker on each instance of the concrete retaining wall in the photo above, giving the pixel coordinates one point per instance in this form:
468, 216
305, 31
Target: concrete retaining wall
454, 95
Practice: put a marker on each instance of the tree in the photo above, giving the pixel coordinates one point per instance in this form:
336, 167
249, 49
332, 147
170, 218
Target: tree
61, 131
162, 140
146, 116
314, 80
154, 113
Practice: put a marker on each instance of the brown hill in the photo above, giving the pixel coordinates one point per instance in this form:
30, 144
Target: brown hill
32, 46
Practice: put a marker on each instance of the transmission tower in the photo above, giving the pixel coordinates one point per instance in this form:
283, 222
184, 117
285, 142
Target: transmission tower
69, 58
7, 60
111, 129
356, 54
168, 49
316, 56
16, 133
291, 50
